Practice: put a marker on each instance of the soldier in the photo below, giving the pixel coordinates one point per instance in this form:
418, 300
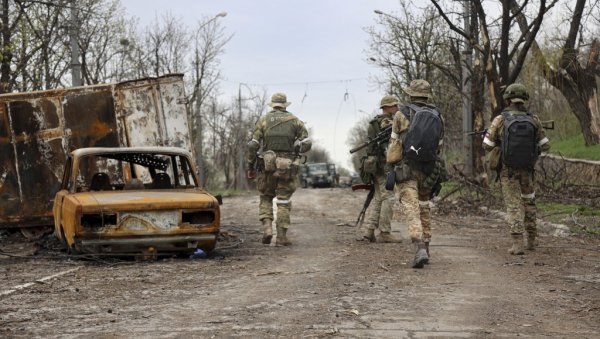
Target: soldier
416, 177
380, 215
514, 156
282, 137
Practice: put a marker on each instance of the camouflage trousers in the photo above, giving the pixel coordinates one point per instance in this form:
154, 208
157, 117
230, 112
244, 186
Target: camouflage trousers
414, 199
519, 198
380, 214
271, 186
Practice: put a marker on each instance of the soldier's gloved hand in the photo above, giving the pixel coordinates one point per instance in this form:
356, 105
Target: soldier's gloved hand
251, 174
298, 146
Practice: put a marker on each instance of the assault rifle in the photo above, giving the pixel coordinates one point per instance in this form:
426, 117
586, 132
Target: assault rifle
381, 138
548, 124
371, 188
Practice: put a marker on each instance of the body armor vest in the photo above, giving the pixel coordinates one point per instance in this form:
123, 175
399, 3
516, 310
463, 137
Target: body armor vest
280, 134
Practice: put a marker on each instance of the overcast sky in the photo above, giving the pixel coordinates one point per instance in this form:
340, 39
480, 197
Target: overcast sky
313, 50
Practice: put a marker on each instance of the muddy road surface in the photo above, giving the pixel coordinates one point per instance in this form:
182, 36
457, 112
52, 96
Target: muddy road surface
325, 285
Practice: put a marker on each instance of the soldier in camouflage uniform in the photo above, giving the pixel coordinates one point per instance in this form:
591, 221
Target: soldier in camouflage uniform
517, 183
282, 137
380, 215
411, 188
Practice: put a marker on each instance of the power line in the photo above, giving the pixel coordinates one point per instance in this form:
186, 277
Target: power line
297, 83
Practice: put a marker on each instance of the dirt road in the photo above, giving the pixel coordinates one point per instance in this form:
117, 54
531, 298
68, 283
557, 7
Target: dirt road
326, 284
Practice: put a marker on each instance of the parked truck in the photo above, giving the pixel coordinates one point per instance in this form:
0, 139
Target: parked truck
318, 175
39, 129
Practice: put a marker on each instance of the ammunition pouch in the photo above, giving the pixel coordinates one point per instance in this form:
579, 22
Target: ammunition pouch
403, 172
270, 159
444, 176
371, 164
364, 175
283, 168
438, 175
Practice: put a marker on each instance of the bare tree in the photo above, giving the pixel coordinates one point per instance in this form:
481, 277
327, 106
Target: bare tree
209, 43
166, 42
502, 50
318, 154
415, 44
32, 49
574, 75
358, 135
101, 40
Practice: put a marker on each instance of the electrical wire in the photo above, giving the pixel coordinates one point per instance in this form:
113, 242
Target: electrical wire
306, 83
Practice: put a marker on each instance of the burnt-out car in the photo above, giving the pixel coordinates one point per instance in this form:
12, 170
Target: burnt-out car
134, 200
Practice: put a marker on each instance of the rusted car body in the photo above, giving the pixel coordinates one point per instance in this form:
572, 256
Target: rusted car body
134, 200
39, 129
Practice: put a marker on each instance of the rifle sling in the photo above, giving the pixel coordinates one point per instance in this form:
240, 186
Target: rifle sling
290, 118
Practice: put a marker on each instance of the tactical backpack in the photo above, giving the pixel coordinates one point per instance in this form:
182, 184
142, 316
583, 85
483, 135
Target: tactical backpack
423, 136
519, 143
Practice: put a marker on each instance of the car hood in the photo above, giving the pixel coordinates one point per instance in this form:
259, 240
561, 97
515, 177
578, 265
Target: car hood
144, 200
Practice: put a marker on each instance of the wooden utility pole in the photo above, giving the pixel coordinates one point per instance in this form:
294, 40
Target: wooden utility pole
241, 174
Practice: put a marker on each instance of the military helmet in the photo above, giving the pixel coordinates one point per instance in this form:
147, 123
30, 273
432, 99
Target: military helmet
388, 100
516, 93
418, 88
279, 100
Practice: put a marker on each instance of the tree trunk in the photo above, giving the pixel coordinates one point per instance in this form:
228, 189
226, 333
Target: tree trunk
584, 102
576, 81
6, 49
580, 86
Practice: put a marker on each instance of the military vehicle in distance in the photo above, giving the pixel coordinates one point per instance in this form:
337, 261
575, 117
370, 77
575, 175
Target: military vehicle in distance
319, 174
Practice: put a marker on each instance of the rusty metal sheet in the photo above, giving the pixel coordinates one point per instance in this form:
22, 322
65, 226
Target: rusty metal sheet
38, 130
153, 112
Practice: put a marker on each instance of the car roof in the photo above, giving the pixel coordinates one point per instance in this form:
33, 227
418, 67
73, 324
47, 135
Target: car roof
86, 151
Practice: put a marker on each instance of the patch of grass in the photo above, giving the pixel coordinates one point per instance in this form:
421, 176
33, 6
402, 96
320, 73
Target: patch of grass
448, 187
574, 147
559, 208
565, 214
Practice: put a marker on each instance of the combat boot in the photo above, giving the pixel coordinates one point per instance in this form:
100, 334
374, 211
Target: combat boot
282, 239
421, 257
369, 235
531, 243
387, 237
267, 231
517, 244
427, 250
